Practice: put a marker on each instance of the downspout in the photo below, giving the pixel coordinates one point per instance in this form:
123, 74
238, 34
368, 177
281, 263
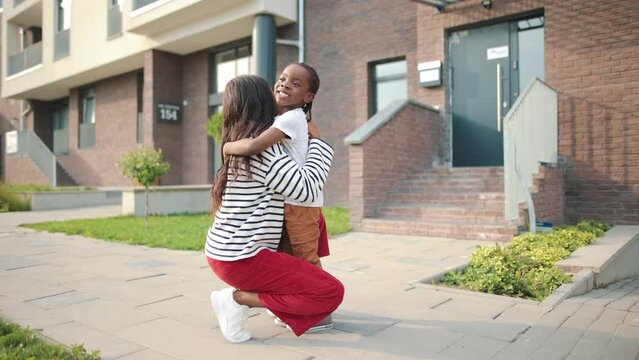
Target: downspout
300, 31
23, 112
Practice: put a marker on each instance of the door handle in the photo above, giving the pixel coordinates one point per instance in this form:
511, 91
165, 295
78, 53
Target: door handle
498, 97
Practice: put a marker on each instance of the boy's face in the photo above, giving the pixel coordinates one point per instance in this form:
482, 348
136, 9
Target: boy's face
292, 87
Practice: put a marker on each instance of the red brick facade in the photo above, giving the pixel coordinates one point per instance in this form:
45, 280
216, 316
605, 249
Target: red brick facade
342, 38
591, 60
115, 130
410, 141
20, 169
548, 195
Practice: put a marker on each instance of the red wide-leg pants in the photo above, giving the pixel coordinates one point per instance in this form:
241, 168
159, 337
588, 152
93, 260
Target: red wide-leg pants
297, 292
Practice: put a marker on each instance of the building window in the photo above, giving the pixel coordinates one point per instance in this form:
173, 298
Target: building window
530, 41
60, 128
87, 119
388, 83
114, 18
229, 64
64, 15
139, 133
63, 25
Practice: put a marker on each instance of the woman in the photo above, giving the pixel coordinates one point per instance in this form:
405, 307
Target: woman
248, 201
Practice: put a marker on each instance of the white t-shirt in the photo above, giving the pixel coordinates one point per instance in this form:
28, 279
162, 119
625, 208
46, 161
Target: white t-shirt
293, 124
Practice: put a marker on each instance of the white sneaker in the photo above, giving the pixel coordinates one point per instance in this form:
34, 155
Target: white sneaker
230, 315
324, 324
279, 322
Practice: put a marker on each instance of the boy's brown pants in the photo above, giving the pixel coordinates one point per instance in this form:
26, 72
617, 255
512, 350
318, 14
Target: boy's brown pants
301, 233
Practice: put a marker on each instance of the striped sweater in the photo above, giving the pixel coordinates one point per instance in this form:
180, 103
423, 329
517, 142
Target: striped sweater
251, 215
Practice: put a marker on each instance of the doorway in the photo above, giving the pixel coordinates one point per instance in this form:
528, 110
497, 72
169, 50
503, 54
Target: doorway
489, 67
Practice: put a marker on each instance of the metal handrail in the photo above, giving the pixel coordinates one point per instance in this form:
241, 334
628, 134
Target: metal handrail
530, 137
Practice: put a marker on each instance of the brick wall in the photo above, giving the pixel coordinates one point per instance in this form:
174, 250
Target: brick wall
548, 195
195, 142
115, 129
410, 140
20, 169
591, 51
342, 37
166, 87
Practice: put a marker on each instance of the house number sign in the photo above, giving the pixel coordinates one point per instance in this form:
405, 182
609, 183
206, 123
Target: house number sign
169, 113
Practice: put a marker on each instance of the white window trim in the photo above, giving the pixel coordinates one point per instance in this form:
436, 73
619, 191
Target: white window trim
147, 8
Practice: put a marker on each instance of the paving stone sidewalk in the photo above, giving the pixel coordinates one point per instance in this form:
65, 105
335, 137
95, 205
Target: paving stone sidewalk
134, 302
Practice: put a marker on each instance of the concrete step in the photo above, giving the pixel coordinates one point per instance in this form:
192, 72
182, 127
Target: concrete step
453, 215
611, 258
493, 201
432, 228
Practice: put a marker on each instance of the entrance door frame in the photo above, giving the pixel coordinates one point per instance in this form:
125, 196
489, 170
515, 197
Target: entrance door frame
447, 78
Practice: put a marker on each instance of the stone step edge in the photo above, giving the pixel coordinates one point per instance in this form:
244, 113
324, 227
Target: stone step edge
611, 257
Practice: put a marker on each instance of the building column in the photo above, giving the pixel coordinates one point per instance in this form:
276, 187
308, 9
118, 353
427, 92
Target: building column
264, 47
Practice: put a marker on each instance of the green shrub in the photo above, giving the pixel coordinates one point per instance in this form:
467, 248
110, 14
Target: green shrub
214, 127
13, 201
526, 266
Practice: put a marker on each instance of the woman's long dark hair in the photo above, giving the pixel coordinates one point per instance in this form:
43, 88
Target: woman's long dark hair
249, 109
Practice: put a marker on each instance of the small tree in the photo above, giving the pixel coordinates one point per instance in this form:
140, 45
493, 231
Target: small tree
144, 166
214, 127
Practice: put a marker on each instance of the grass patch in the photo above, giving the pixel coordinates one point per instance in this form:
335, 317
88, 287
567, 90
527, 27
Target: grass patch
526, 266
337, 220
178, 232
19, 343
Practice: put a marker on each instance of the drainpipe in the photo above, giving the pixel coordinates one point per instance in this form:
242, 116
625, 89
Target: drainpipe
23, 112
300, 31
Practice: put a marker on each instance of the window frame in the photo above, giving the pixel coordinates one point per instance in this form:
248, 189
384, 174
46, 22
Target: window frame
374, 81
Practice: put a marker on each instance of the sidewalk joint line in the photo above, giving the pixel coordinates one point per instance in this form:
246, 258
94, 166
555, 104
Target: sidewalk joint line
503, 311
146, 277
441, 303
24, 267
48, 296
158, 301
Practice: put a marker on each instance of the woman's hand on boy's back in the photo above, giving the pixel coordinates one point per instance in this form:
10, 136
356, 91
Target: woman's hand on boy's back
313, 131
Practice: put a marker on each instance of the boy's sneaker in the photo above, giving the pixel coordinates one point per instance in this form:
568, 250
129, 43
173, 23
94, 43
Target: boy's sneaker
230, 315
324, 324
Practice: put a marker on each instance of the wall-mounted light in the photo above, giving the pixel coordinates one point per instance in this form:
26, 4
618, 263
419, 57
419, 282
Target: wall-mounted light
486, 3
430, 73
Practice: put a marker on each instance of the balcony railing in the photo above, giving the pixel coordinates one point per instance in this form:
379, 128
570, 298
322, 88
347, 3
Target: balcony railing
114, 21
61, 48
28, 58
142, 3
61, 141
87, 135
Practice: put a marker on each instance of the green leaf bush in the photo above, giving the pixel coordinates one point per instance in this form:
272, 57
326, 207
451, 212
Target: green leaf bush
11, 200
214, 127
526, 266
